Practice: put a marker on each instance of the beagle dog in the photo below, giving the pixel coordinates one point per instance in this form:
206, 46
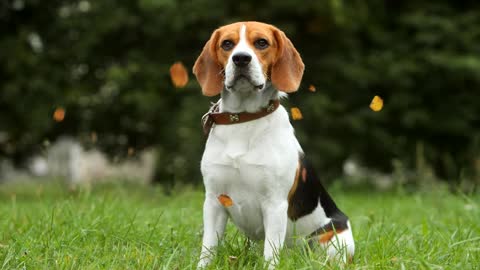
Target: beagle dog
253, 167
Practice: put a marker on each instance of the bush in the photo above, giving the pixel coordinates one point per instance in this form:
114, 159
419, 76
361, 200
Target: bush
106, 62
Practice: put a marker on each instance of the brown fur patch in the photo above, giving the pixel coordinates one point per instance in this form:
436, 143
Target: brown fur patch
292, 191
327, 236
287, 68
295, 184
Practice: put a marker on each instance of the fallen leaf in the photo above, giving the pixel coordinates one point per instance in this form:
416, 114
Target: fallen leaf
179, 75
296, 113
225, 200
312, 88
59, 114
376, 104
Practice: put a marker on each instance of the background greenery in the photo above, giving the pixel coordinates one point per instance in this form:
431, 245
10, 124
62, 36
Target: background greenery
106, 62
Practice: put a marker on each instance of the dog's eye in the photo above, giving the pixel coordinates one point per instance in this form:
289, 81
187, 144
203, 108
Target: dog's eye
227, 45
261, 44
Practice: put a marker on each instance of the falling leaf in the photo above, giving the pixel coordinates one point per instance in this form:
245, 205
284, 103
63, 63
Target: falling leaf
296, 113
59, 114
179, 75
312, 88
376, 104
225, 200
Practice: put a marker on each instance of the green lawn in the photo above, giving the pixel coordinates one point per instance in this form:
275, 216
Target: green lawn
133, 227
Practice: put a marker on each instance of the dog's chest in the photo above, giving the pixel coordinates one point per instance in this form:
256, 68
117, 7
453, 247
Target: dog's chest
268, 142
242, 193
251, 163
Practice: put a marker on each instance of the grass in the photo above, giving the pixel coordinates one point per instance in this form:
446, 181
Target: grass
46, 226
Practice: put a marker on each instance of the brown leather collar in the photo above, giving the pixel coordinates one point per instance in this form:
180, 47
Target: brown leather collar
213, 116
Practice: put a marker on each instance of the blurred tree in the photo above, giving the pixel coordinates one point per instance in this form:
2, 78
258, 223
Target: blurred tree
106, 62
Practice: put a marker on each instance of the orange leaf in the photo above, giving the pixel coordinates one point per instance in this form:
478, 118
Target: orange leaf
296, 113
225, 200
179, 75
312, 88
376, 104
59, 114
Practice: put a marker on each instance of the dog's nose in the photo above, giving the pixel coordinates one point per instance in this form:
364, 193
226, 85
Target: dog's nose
241, 59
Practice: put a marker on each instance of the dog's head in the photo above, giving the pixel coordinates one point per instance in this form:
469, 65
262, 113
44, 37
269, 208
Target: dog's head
250, 54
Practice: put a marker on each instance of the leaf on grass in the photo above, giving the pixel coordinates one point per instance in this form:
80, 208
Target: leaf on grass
59, 114
179, 75
376, 104
225, 200
312, 88
296, 113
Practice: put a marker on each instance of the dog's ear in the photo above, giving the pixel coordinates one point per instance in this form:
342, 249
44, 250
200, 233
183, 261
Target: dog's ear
208, 70
287, 69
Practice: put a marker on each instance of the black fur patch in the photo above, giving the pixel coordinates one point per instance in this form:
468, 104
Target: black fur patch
304, 198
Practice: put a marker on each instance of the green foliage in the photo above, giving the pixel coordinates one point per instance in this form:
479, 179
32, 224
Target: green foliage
107, 63
131, 227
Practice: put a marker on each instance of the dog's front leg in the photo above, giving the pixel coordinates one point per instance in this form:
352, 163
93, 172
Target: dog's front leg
214, 221
275, 223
